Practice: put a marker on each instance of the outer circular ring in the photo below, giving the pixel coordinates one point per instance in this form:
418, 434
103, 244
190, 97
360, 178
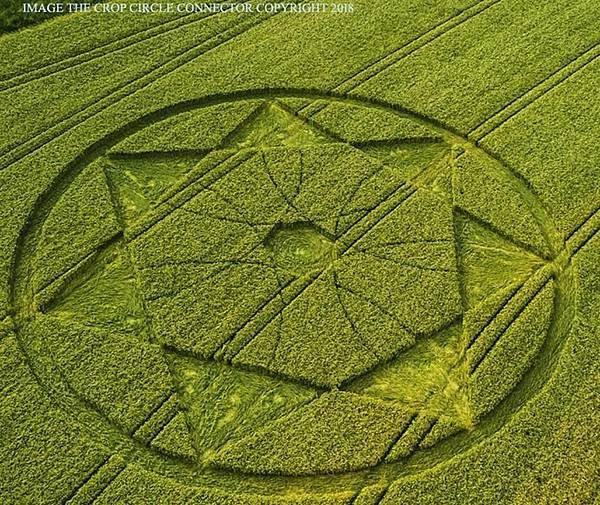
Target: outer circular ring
531, 383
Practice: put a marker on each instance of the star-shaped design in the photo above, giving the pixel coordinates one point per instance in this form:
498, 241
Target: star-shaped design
292, 267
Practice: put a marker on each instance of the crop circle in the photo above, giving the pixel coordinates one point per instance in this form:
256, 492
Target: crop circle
321, 275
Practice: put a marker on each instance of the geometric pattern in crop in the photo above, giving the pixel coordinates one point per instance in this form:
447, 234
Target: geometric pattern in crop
266, 286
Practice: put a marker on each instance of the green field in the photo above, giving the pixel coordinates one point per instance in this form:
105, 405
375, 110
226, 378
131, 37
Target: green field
302, 259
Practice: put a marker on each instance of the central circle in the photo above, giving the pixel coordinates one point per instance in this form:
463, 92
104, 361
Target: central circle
300, 247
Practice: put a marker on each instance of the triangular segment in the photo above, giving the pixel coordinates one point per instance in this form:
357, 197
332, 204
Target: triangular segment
486, 191
138, 183
224, 404
488, 261
274, 126
103, 294
417, 374
198, 130
430, 380
357, 124
438, 175
82, 220
174, 439
442, 179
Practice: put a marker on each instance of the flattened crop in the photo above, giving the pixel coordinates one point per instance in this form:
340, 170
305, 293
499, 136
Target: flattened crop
281, 296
